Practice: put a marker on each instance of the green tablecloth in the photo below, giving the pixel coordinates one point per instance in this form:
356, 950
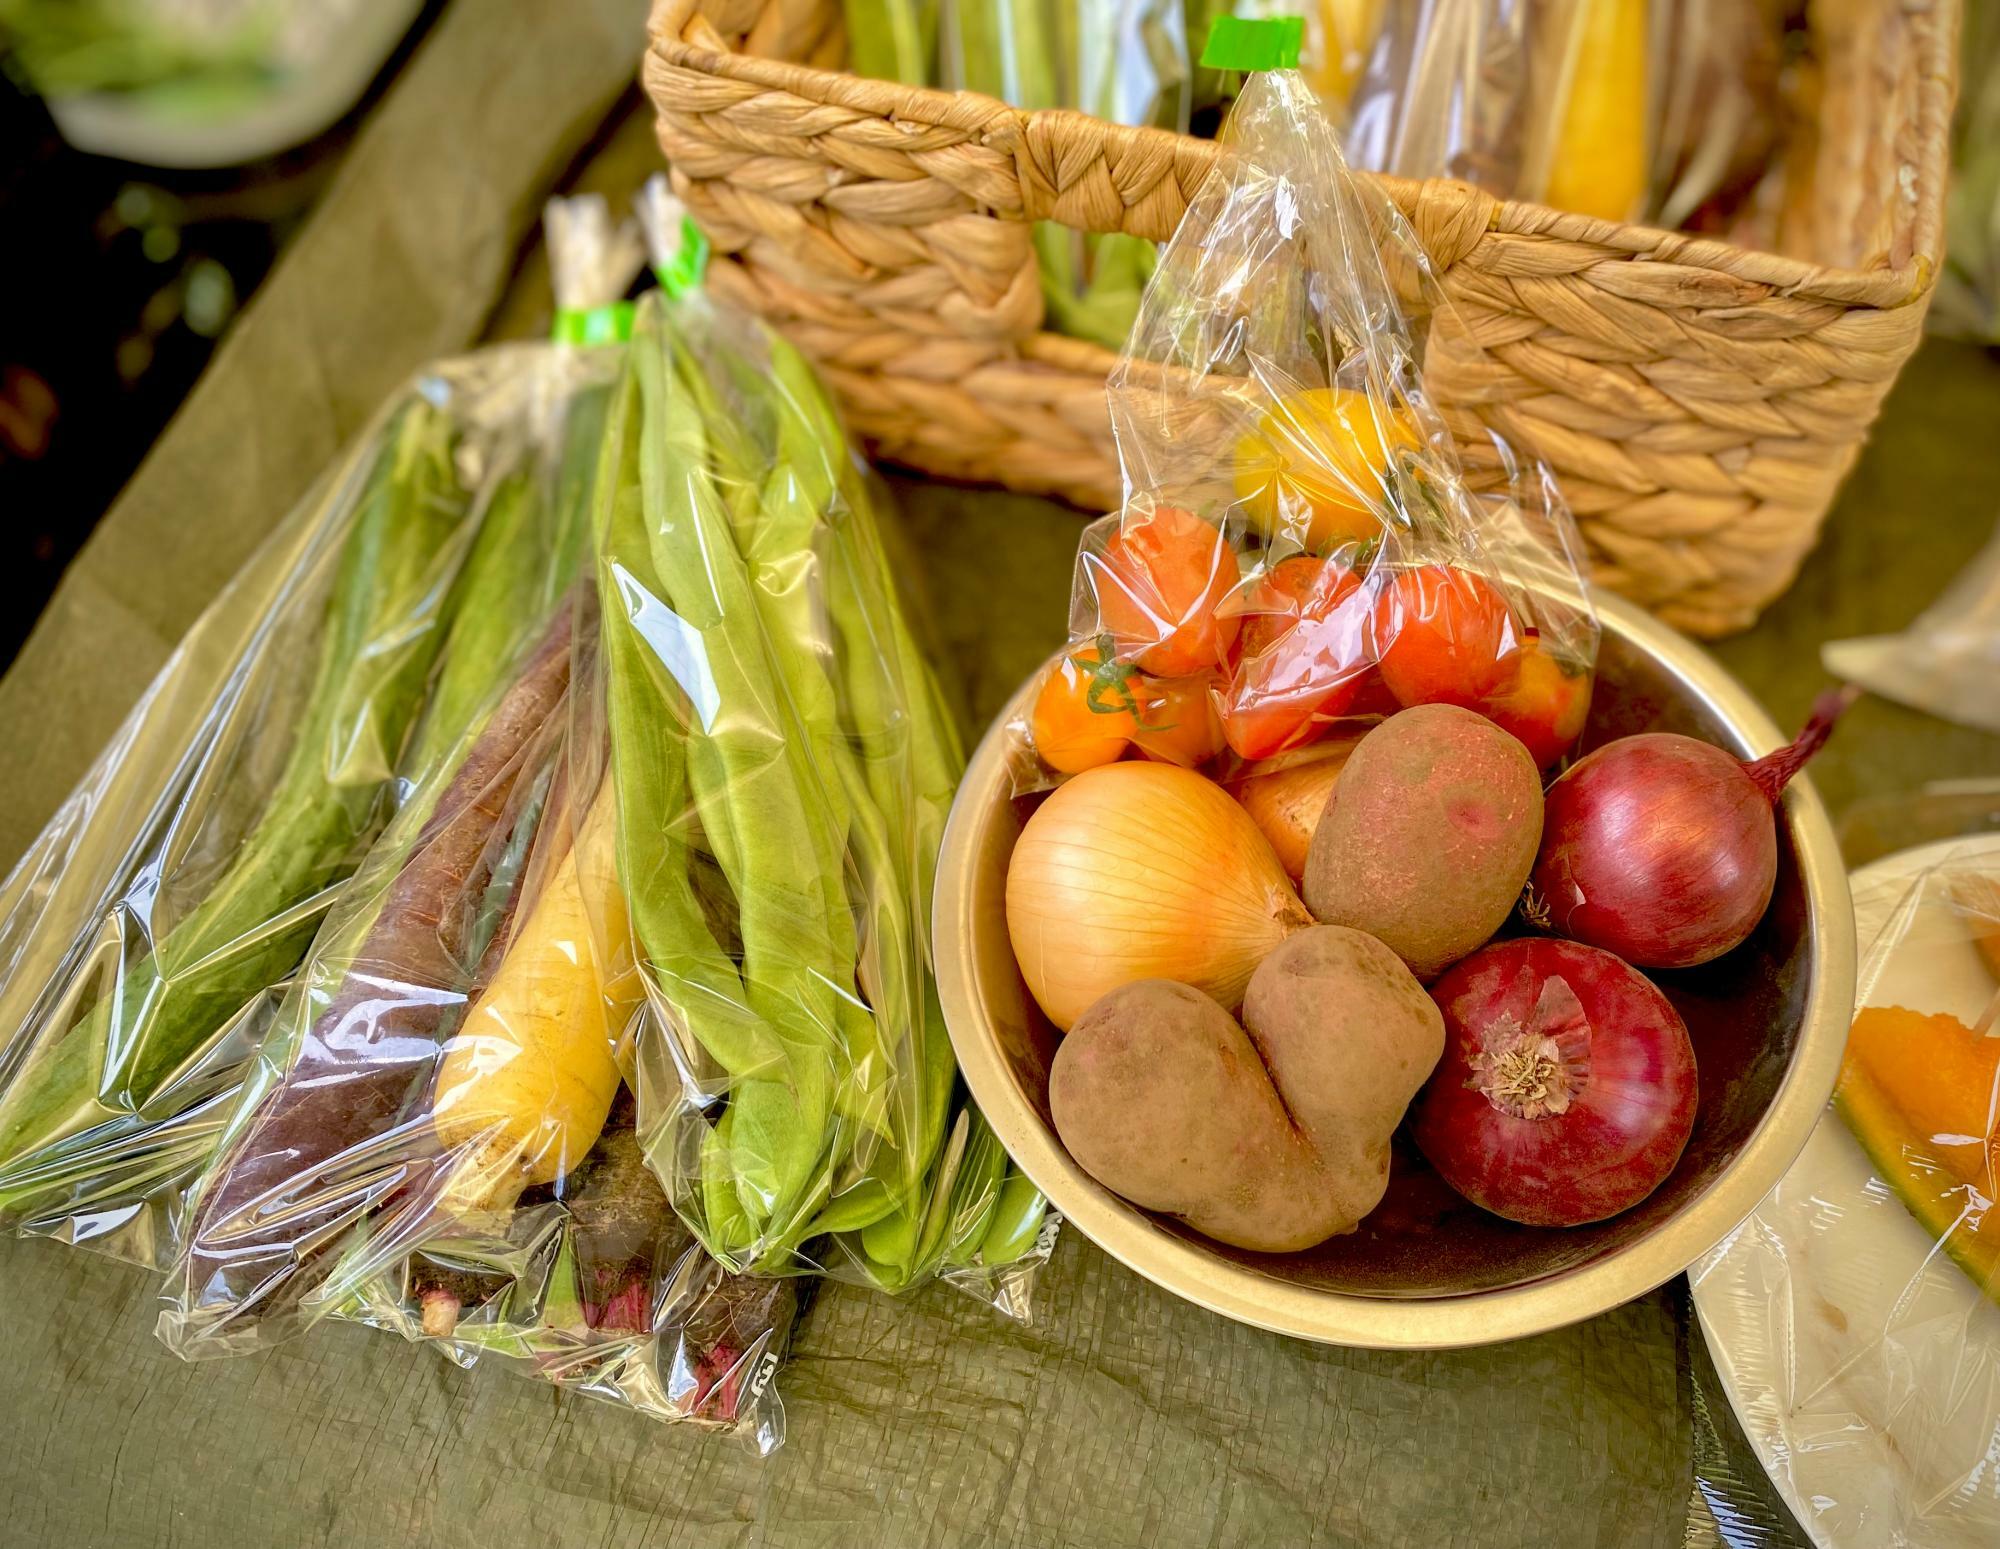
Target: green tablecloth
1121, 1417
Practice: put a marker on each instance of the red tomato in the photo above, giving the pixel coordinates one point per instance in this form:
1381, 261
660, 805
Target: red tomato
1159, 582
1278, 598
1542, 700
1177, 721
1305, 650
1440, 634
1372, 696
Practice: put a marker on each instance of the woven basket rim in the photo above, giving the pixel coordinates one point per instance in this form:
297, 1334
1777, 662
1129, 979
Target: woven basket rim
1884, 286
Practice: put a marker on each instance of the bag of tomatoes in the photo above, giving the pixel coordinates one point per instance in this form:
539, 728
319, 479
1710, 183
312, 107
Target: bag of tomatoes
1306, 537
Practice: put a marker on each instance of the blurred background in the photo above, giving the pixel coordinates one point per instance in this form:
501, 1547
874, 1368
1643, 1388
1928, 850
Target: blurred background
154, 159
158, 156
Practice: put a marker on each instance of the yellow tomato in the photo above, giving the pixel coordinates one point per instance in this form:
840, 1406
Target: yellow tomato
1316, 464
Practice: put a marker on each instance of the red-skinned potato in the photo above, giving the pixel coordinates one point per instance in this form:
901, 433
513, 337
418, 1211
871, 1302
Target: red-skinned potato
1428, 836
1271, 1135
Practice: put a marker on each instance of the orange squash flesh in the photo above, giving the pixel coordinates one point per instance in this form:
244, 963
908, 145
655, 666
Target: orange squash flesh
1922, 1095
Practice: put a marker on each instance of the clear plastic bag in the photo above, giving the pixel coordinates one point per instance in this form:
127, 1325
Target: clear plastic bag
596, 1285
783, 764
1948, 661
1444, 92
150, 927
1302, 540
438, 1143
1854, 1319
1621, 109
330, 1165
149, 934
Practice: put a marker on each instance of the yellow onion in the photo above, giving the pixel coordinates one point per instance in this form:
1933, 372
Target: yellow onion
1137, 871
1286, 795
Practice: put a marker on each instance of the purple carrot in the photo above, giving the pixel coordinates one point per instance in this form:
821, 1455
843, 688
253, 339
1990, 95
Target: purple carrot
622, 1229
311, 1161
626, 1242
726, 1337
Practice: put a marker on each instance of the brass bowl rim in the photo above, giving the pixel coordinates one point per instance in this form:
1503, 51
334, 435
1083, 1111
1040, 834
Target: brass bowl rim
1474, 1317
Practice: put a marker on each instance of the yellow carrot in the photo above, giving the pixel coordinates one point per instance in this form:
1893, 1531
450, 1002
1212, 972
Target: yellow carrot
1600, 151
527, 1080
1344, 33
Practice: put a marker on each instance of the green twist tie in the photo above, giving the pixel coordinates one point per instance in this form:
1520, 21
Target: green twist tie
684, 271
1248, 44
608, 324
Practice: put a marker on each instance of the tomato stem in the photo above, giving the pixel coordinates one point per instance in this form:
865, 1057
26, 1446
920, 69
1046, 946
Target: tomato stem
1112, 690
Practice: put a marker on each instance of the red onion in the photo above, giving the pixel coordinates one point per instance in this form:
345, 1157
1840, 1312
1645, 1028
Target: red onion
1663, 848
1567, 1089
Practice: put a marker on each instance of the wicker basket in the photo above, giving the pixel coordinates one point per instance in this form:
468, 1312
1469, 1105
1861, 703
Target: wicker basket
1700, 402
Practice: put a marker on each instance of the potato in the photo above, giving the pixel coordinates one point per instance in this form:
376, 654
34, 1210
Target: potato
1427, 839
1274, 1138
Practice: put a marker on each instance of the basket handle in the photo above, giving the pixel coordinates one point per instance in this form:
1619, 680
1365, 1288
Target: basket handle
806, 32
1093, 176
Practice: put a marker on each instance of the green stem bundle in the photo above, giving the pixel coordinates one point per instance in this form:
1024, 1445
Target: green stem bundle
384, 626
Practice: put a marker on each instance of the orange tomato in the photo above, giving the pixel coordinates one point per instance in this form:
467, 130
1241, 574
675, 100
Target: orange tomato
1440, 635
1177, 720
1277, 600
1541, 700
1304, 654
1316, 465
1083, 712
1159, 582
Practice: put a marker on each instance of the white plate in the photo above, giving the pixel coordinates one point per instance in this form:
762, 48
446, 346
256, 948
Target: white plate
1862, 1363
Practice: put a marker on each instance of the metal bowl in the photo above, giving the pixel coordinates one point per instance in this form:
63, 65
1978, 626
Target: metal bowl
1427, 1270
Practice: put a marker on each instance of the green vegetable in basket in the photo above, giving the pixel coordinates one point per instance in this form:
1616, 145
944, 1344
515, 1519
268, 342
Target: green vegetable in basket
1115, 60
892, 40
384, 624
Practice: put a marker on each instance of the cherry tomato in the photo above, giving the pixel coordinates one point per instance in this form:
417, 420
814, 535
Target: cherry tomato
1440, 634
1159, 582
1177, 720
1305, 651
1543, 700
1083, 712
